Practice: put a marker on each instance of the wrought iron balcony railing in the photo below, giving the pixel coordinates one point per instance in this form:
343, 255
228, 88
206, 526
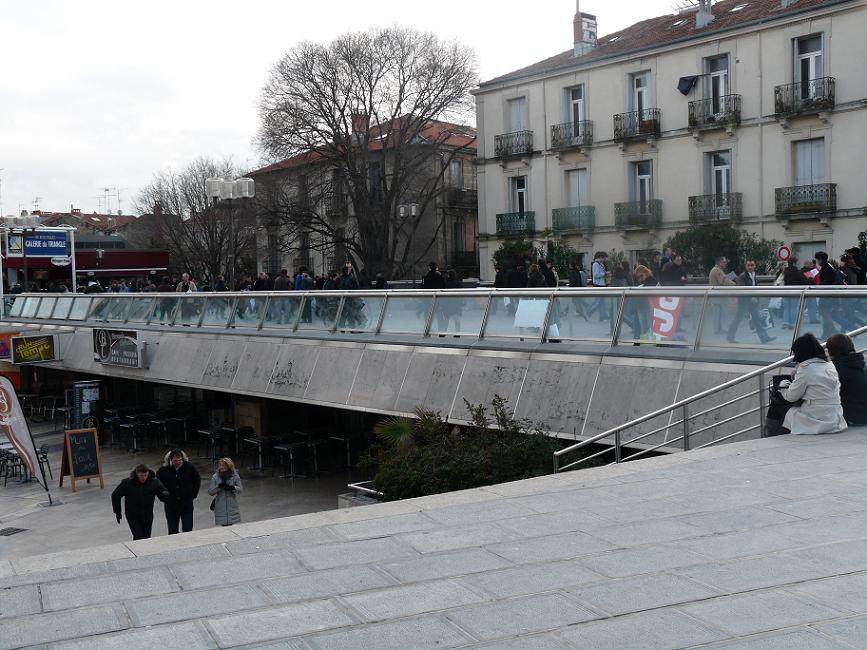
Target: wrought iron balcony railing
806, 199
716, 208
459, 197
572, 134
465, 259
580, 219
637, 124
804, 97
715, 113
518, 143
516, 223
638, 214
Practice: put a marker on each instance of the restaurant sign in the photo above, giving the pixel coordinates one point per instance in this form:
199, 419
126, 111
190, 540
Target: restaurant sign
118, 348
33, 349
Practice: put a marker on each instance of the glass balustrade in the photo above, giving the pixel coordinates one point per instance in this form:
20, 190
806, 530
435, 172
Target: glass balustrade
756, 321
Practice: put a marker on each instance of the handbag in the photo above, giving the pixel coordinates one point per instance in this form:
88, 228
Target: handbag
778, 405
213, 502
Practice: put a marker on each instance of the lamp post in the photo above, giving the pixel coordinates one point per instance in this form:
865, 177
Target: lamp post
226, 190
410, 210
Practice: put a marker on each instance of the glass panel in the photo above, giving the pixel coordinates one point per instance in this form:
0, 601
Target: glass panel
668, 320
61, 308
764, 321
30, 305
458, 315
99, 308
17, 304
583, 317
318, 312
282, 311
79, 308
360, 313
406, 315
190, 310
164, 310
517, 316
45, 307
117, 309
248, 311
217, 311
826, 315
139, 310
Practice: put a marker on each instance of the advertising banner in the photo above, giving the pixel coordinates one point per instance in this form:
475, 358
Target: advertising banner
40, 243
15, 429
33, 349
6, 344
666, 315
117, 348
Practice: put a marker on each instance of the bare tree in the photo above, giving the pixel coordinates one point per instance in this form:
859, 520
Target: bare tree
373, 119
196, 232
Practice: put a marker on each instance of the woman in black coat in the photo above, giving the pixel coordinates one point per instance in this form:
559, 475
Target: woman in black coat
138, 492
853, 378
182, 480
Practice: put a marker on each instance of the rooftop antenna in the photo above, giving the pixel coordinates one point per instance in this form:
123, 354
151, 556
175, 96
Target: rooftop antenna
685, 6
36, 201
117, 191
107, 192
99, 203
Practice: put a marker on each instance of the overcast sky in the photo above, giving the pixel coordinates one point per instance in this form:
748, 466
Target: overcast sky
101, 94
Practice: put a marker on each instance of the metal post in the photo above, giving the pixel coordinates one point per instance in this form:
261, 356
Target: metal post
24, 255
617, 446
72, 258
763, 407
685, 428
231, 245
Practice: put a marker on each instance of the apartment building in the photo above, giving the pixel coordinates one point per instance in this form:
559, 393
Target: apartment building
748, 112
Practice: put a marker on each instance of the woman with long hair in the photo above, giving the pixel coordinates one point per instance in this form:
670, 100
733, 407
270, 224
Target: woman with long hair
225, 488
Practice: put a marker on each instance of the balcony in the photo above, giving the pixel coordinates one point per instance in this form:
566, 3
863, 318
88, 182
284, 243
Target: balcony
804, 98
580, 219
519, 143
716, 208
806, 201
465, 261
722, 112
637, 125
457, 197
571, 135
516, 223
638, 215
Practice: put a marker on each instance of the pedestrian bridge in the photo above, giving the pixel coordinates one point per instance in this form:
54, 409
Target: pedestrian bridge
578, 360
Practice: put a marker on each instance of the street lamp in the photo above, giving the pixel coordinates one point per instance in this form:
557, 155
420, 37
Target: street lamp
224, 189
410, 210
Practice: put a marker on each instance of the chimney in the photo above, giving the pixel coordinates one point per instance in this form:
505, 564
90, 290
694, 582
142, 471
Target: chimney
704, 15
583, 31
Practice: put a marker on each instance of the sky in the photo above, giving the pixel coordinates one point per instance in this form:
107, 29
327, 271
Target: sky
99, 95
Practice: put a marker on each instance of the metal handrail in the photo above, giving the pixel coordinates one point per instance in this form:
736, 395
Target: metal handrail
681, 404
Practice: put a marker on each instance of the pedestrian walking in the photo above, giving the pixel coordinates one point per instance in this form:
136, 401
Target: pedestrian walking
748, 307
182, 481
138, 492
433, 279
225, 487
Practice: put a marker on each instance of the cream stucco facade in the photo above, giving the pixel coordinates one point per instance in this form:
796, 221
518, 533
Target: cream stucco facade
819, 144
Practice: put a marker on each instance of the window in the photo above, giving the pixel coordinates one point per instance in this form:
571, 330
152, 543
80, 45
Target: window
518, 194
640, 96
575, 106
376, 178
809, 162
456, 174
716, 82
808, 63
518, 114
303, 192
642, 183
458, 237
576, 188
718, 176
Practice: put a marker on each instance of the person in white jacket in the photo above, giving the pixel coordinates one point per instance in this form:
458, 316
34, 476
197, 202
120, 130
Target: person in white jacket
817, 384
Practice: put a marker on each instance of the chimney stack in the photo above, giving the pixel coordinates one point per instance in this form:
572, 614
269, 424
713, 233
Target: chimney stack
704, 15
583, 31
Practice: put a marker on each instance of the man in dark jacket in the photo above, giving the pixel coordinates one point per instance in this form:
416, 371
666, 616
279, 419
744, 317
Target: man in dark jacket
433, 279
182, 480
853, 378
138, 491
748, 307
673, 274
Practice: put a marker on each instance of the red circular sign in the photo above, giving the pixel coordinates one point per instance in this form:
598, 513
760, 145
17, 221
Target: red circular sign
784, 253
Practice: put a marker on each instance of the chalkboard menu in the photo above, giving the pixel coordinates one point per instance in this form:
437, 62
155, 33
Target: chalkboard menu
86, 405
80, 458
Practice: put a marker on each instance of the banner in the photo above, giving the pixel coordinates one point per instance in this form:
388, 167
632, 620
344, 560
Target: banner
6, 344
14, 427
40, 243
666, 315
33, 349
117, 348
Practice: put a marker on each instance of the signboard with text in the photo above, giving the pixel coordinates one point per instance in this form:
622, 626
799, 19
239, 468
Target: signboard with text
40, 243
117, 348
33, 349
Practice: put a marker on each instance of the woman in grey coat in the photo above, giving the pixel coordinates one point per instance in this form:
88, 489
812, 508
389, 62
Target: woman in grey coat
225, 487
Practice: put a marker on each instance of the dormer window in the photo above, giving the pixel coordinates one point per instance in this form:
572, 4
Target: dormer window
679, 23
611, 40
737, 8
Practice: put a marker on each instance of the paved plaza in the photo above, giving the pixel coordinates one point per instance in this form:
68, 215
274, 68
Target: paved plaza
759, 544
